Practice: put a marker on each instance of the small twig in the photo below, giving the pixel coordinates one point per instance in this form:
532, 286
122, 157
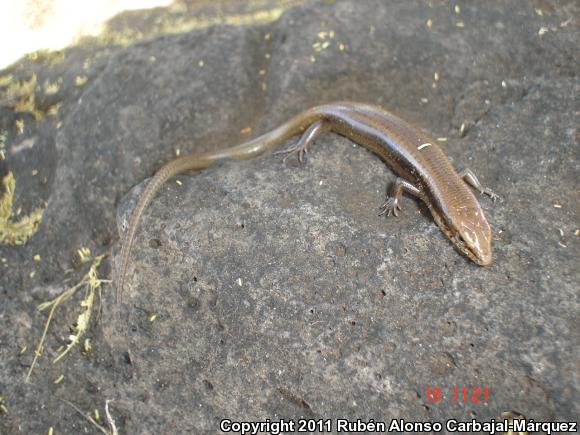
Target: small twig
110, 419
38, 350
90, 419
92, 282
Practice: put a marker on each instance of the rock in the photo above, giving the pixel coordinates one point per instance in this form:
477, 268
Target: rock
260, 289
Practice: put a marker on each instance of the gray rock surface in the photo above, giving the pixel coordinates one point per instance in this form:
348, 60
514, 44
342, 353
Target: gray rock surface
275, 289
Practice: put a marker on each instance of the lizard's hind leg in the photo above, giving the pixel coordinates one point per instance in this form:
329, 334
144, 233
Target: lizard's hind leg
300, 148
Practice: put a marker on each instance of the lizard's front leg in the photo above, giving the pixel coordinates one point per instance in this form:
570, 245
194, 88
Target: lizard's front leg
391, 205
469, 177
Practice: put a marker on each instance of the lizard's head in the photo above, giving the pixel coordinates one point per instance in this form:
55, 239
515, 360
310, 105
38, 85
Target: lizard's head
469, 231
472, 236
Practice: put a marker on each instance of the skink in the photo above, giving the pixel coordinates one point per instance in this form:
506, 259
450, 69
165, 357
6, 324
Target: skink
423, 171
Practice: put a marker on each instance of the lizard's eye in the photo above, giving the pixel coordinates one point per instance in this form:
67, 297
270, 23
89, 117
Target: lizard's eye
459, 239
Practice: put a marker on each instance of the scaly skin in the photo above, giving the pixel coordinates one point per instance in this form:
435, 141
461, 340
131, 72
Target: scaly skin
424, 171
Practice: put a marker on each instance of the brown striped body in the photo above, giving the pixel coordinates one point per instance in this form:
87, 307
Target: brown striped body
427, 172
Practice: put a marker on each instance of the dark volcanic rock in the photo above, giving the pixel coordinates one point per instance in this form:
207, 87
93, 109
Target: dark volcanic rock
260, 289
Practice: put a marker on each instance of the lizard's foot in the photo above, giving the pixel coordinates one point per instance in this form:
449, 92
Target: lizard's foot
487, 191
390, 206
298, 149
469, 177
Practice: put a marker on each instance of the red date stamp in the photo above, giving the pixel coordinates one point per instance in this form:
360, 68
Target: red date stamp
457, 394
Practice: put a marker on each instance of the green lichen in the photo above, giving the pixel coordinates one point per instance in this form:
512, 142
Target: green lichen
15, 232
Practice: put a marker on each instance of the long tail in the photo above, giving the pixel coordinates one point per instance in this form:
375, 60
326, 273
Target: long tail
247, 150
161, 176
